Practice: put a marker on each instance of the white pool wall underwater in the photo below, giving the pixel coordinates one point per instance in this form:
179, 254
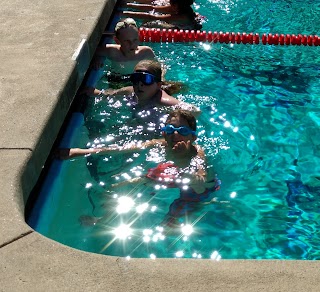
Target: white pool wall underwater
39, 78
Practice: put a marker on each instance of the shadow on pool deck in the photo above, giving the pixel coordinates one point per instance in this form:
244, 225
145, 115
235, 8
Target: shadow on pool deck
38, 81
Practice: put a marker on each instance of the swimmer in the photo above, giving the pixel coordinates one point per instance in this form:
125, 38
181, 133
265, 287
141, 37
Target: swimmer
178, 14
183, 164
126, 53
186, 158
147, 90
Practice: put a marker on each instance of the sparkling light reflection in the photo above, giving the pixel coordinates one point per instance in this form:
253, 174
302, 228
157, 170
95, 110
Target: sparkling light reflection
187, 229
141, 208
159, 228
215, 256
123, 231
125, 204
233, 195
88, 185
206, 46
147, 232
179, 254
146, 239
227, 124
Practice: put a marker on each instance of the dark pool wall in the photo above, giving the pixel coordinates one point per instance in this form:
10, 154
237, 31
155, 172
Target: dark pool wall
66, 87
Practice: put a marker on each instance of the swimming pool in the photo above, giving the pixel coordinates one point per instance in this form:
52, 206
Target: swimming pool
259, 124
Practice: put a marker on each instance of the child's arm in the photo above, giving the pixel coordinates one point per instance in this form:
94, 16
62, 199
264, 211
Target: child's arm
139, 15
148, 7
148, 53
148, 16
107, 51
144, 1
189, 107
117, 92
67, 153
165, 17
198, 173
169, 100
198, 163
109, 92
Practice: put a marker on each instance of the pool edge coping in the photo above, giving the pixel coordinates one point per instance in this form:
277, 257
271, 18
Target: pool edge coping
32, 250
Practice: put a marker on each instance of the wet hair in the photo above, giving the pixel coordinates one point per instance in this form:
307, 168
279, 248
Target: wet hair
187, 115
184, 7
124, 23
154, 67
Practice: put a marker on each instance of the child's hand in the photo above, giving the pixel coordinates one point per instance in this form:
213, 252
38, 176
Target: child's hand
182, 147
200, 177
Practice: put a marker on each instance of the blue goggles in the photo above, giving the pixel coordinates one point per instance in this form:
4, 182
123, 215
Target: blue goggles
144, 77
184, 131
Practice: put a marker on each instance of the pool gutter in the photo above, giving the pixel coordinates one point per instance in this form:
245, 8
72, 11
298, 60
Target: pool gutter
41, 43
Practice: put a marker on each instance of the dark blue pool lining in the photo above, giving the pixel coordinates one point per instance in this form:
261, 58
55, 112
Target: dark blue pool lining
38, 202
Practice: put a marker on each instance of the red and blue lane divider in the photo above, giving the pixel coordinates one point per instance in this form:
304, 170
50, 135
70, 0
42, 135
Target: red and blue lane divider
169, 35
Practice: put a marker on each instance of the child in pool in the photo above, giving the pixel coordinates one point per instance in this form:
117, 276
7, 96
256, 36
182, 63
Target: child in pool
147, 90
126, 53
183, 164
186, 159
178, 14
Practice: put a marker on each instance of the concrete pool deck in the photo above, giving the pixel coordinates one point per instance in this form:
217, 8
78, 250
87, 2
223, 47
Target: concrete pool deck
39, 77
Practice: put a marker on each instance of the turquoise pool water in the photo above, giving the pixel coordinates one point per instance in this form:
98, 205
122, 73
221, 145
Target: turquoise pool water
259, 126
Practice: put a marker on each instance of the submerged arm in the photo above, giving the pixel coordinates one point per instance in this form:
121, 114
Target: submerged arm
102, 52
197, 172
199, 161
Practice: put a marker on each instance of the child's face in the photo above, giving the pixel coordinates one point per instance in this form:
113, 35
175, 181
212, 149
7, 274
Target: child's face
175, 137
128, 38
145, 92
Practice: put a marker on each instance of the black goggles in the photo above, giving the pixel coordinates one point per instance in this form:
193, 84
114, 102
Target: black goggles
144, 77
184, 131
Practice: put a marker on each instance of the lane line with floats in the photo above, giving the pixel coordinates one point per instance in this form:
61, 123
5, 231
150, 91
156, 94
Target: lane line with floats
173, 35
